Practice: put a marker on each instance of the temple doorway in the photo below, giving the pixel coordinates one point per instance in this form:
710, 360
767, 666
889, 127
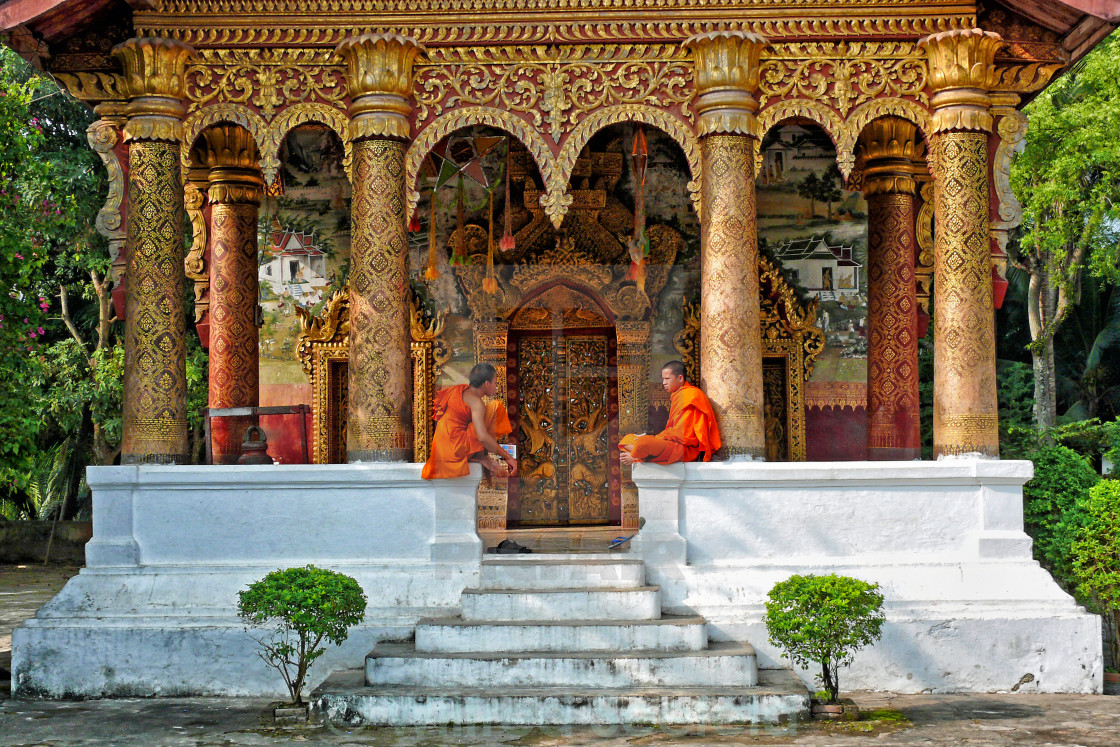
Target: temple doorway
562, 392
563, 386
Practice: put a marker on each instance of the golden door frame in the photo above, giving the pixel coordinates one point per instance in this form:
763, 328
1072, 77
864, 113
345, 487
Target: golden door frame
790, 338
324, 352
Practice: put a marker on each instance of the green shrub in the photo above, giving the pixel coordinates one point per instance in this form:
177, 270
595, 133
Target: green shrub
1054, 506
304, 607
1096, 555
824, 619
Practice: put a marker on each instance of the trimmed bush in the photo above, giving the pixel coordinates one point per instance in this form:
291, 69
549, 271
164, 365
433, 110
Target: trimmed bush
1054, 507
1096, 555
304, 607
824, 619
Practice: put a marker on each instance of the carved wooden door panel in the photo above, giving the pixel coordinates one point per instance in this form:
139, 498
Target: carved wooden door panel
566, 399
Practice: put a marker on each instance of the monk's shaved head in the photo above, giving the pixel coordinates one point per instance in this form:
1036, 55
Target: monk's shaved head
480, 374
676, 368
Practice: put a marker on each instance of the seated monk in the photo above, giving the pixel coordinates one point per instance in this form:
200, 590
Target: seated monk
690, 434
468, 428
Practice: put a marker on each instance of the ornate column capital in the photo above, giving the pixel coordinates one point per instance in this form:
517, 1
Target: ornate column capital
888, 148
379, 77
962, 72
232, 156
727, 69
155, 81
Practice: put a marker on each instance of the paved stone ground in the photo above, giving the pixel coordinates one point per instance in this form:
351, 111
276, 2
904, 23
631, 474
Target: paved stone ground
232, 722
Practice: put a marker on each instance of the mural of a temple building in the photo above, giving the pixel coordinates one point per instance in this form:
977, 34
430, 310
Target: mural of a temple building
374, 210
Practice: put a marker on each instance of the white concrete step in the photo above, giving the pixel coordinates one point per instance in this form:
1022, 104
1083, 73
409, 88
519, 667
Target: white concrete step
721, 665
545, 572
639, 603
456, 635
345, 700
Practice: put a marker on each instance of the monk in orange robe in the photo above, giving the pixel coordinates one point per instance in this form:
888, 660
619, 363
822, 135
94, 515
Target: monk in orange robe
690, 434
468, 427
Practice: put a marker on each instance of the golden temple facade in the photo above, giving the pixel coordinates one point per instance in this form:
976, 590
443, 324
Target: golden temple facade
920, 102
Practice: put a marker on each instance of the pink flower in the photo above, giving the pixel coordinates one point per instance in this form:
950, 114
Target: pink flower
19, 256
40, 330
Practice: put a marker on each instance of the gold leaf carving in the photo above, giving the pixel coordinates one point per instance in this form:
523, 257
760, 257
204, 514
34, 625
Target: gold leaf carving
266, 79
845, 75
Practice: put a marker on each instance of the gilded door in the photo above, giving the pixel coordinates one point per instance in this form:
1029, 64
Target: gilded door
566, 398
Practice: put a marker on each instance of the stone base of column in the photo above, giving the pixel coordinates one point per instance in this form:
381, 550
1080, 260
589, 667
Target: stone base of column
893, 454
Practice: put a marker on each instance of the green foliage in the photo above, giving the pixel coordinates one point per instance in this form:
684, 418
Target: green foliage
1054, 506
1015, 393
1096, 555
824, 619
304, 607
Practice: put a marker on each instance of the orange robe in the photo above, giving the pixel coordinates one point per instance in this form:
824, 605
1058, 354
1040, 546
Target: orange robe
455, 440
692, 431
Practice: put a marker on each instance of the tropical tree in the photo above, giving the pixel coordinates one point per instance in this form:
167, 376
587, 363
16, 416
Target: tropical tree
807, 189
1068, 179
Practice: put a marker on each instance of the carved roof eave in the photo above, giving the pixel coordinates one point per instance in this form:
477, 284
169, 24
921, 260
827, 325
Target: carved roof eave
326, 22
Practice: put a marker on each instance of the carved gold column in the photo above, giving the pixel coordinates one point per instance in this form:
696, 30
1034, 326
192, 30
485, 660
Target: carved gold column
730, 337
888, 147
235, 195
962, 72
155, 382
380, 83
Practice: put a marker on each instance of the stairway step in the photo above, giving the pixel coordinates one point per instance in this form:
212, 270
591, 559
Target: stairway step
345, 700
456, 635
721, 665
550, 573
639, 603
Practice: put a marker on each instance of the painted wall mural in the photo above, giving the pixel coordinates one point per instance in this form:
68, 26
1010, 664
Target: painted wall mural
304, 253
817, 230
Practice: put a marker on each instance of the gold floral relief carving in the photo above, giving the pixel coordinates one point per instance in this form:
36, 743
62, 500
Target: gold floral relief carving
549, 88
844, 74
1011, 126
93, 86
103, 136
194, 199
266, 78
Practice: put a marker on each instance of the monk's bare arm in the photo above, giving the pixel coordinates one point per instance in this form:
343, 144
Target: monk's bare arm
478, 418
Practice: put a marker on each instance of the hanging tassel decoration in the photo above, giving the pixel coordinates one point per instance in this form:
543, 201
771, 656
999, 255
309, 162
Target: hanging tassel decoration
507, 244
432, 272
459, 256
490, 283
638, 246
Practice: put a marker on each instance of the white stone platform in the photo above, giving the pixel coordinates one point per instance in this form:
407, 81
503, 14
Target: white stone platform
968, 609
154, 611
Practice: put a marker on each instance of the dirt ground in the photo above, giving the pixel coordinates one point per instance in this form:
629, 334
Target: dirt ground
887, 719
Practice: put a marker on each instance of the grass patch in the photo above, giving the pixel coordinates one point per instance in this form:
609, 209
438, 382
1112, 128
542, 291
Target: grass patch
880, 720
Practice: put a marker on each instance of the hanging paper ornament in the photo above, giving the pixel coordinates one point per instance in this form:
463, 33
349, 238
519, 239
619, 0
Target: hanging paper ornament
459, 256
490, 283
432, 272
508, 243
638, 246
414, 222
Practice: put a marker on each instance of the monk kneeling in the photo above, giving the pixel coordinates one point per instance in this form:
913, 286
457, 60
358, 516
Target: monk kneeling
691, 433
468, 427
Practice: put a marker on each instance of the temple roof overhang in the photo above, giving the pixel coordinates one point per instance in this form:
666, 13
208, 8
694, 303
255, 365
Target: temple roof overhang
46, 28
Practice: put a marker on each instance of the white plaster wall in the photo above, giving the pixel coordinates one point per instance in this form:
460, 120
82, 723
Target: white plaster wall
967, 607
155, 610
